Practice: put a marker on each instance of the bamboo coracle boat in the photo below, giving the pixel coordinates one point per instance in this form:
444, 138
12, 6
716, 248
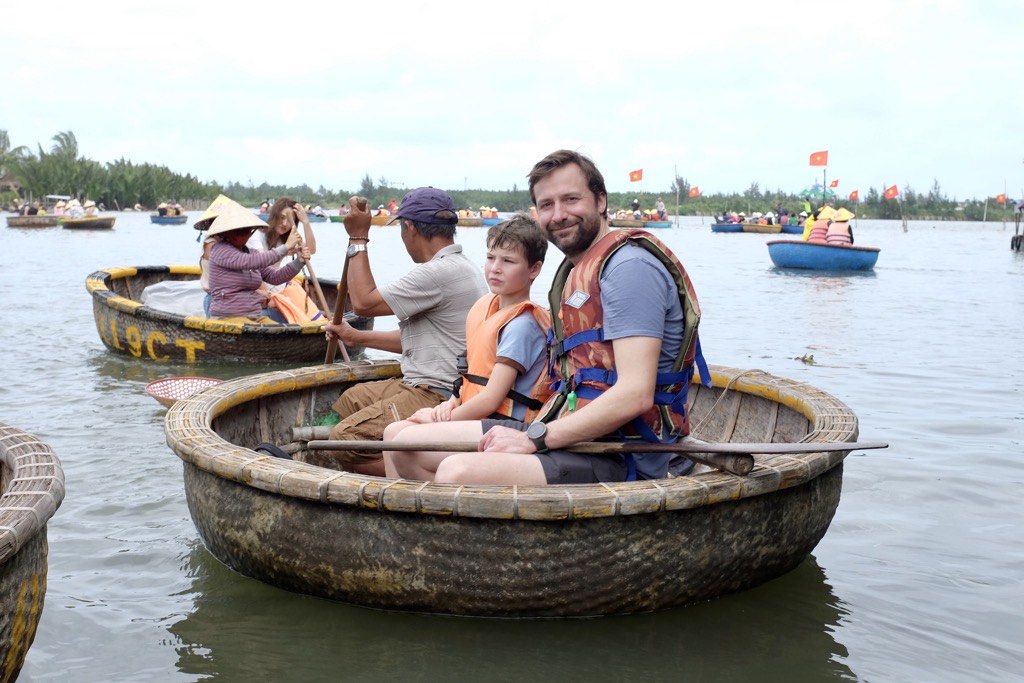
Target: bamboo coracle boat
129, 327
506, 551
32, 488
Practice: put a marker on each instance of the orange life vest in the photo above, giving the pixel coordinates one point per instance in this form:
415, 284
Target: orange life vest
483, 325
585, 362
819, 231
295, 304
839, 234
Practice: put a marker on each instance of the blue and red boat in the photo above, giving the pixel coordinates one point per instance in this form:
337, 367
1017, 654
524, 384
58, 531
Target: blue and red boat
818, 256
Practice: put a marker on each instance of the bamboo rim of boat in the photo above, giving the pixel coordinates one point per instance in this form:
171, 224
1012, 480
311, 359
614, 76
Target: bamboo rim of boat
33, 488
189, 432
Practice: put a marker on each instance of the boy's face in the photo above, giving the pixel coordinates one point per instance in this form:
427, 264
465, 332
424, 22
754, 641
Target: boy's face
507, 271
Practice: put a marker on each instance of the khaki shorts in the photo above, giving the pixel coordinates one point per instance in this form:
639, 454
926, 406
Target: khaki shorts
367, 408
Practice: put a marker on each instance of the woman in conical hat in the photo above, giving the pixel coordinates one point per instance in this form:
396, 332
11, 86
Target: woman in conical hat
236, 275
839, 232
816, 230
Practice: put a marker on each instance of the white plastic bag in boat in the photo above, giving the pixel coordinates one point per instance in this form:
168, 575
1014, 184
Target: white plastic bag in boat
182, 297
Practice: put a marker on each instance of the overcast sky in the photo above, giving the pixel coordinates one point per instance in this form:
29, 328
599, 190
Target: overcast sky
470, 95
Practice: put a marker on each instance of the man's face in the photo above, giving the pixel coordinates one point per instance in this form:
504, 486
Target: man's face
568, 211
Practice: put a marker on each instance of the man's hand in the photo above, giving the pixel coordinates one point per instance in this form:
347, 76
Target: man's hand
357, 221
505, 440
342, 332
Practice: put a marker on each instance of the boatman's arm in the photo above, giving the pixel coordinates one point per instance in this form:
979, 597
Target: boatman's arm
362, 288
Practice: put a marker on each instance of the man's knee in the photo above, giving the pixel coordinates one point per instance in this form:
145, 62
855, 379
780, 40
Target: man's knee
455, 469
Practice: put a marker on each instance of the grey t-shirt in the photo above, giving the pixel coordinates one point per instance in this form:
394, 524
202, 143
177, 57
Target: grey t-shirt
431, 303
640, 299
522, 341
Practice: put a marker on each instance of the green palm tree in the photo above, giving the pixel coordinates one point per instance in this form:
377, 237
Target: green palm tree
9, 156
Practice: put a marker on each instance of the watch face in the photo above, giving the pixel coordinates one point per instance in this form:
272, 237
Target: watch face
537, 430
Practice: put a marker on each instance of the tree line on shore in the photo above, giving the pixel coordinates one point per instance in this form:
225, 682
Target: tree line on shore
123, 184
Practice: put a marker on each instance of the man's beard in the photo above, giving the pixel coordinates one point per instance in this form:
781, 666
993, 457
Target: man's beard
576, 242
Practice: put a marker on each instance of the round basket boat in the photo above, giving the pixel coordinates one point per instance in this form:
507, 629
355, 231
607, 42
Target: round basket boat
128, 327
32, 486
506, 551
89, 223
45, 221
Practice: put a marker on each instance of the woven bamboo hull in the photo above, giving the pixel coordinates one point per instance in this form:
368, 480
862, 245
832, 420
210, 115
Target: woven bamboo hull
625, 223
95, 223
45, 221
757, 227
129, 328
32, 487
726, 227
535, 551
470, 222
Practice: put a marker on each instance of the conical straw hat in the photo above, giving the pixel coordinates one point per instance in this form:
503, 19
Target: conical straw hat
214, 210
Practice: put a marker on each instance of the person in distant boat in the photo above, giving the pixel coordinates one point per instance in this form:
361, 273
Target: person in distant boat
284, 217
392, 205
624, 351
801, 219
659, 206
265, 207
90, 208
58, 208
431, 303
74, 209
381, 211
635, 208
506, 358
769, 218
161, 209
33, 209
819, 226
236, 274
839, 233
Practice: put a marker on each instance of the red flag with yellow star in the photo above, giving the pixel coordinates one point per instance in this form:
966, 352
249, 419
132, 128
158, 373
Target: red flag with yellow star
820, 158
636, 175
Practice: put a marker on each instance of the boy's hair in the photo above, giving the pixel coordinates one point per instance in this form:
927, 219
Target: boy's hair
520, 232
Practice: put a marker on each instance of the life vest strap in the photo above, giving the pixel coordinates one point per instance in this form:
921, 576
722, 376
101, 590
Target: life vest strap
522, 399
560, 348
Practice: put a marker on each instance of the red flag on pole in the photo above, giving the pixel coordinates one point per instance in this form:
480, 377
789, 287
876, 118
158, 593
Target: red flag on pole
636, 175
694, 191
855, 195
892, 192
1000, 199
834, 183
820, 158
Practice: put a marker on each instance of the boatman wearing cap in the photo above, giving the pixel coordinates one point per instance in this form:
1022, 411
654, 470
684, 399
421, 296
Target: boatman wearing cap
431, 303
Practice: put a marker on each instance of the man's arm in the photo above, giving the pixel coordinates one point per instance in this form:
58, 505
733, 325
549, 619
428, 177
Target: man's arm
362, 288
636, 360
373, 339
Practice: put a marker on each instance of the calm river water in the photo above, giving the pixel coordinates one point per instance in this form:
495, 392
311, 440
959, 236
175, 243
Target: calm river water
918, 578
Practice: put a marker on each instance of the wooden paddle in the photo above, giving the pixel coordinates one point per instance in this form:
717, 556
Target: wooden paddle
308, 265
736, 458
339, 307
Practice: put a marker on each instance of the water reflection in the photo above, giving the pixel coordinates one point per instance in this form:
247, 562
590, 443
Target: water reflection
239, 626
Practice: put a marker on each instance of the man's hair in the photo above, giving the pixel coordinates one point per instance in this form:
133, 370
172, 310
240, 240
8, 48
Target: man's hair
519, 232
564, 157
432, 230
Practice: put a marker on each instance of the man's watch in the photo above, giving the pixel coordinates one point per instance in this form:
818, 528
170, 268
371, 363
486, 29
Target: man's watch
354, 249
536, 432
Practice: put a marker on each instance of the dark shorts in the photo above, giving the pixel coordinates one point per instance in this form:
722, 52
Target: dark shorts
565, 467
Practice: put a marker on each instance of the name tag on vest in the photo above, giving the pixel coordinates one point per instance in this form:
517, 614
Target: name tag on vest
577, 299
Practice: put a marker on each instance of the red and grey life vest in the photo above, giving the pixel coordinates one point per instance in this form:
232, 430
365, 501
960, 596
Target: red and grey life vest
585, 363
483, 326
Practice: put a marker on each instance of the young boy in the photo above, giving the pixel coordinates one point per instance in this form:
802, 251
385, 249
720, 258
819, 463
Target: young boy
506, 336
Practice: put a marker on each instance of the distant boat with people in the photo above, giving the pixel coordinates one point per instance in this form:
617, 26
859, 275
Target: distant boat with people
819, 256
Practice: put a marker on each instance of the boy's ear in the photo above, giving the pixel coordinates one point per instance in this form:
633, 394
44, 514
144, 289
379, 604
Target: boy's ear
535, 270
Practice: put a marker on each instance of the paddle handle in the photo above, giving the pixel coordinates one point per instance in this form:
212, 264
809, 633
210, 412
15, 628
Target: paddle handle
736, 463
339, 308
316, 287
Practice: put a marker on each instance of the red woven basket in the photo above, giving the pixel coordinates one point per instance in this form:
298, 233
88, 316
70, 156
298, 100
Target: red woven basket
171, 389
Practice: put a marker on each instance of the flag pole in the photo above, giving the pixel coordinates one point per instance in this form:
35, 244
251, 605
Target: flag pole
675, 172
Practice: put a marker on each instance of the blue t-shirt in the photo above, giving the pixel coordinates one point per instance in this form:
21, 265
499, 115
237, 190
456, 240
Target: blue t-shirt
640, 299
523, 342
